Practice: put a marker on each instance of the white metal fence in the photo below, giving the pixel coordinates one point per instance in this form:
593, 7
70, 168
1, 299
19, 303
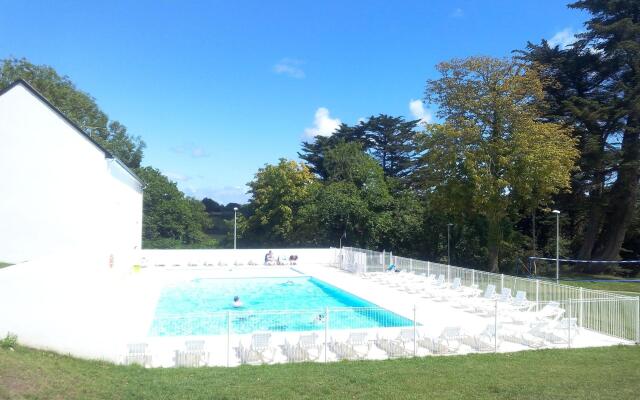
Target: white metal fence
605, 312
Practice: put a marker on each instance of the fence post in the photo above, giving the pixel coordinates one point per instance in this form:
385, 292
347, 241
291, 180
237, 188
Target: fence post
411, 265
326, 331
581, 310
448, 273
501, 282
537, 294
415, 332
473, 277
569, 331
637, 320
428, 268
228, 336
495, 330
382, 258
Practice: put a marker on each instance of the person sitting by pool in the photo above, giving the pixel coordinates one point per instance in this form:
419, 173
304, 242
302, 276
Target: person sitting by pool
236, 302
293, 259
268, 258
392, 267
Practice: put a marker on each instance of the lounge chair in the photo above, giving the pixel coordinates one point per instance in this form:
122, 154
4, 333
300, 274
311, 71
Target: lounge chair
557, 332
305, 350
393, 347
447, 343
137, 354
484, 341
193, 356
550, 312
524, 338
477, 304
357, 347
260, 351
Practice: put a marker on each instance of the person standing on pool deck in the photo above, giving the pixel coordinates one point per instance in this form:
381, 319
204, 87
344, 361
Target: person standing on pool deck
236, 302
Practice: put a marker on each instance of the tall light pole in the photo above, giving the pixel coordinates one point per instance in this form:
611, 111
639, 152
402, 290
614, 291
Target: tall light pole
557, 213
448, 244
235, 226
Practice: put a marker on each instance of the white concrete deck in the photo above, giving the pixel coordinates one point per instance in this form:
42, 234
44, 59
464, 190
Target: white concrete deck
95, 314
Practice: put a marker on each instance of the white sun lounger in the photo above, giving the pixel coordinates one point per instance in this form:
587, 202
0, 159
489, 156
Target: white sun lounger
305, 350
193, 356
356, 347
138, 354
447, 343
260, 351
484, 341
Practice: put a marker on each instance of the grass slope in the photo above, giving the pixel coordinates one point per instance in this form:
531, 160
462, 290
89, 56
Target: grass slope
600, 373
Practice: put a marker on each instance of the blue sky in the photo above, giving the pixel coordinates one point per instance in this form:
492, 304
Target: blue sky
219, 88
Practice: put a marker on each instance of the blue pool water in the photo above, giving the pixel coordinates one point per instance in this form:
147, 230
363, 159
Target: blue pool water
203, 306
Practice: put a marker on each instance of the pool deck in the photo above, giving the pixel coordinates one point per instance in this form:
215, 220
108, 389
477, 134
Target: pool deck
97, 314
432, 316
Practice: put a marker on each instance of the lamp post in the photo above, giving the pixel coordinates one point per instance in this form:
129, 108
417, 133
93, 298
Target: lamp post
235, 226
557, 213
448, 244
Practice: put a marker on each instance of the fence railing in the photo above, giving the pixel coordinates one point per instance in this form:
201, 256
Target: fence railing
354, 333
605, 312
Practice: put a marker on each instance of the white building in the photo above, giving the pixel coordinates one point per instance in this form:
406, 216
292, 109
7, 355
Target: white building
59, 189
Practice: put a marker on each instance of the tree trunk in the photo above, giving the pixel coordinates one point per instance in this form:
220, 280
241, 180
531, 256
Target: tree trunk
595, 200
494, 238
624, 195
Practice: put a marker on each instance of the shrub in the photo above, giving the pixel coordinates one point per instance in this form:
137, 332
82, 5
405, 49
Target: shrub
9, 342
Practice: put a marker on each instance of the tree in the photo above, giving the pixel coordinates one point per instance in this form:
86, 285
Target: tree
78, 106
594, 89
614, 32
493, 154
278, 192
389, 140
168, 213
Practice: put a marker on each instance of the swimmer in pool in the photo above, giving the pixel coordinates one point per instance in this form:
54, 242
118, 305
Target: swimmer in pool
236, 302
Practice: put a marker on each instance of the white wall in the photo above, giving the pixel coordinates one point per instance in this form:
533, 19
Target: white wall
168, 258
58, 192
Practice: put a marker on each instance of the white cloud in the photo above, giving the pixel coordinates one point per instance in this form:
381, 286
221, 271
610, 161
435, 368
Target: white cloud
323, 124
564, 38
419, 112
457, 13
290, 67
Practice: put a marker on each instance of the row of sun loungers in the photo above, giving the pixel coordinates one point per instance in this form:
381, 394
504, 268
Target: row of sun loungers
547, 329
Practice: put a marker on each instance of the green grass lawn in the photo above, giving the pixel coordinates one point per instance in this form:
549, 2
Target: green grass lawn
4, 264
599, 373
627, 288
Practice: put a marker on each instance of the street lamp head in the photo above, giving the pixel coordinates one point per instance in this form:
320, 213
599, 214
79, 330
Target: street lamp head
556, 211
235, 208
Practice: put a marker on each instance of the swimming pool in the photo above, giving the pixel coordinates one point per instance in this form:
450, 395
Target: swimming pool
204, 307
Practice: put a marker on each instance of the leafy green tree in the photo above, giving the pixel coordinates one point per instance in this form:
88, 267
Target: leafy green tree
389, 140
78, 106
493, 154
168, 213
278, 192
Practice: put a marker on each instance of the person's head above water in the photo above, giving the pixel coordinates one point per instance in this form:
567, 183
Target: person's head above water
236, 298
